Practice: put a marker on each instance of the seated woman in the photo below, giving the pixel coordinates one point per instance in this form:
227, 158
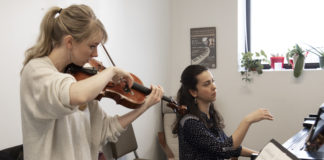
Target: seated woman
200, 129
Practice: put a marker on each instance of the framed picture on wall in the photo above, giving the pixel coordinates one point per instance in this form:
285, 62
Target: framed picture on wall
203, 46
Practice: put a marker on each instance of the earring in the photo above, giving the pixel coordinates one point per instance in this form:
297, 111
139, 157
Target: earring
195, 99
70, 56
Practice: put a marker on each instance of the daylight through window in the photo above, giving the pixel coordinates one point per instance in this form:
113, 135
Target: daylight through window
277, 25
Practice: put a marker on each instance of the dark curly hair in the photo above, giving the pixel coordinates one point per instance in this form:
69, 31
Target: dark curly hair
189, 82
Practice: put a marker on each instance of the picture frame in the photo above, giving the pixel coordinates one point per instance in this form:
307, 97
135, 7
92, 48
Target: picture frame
203, 46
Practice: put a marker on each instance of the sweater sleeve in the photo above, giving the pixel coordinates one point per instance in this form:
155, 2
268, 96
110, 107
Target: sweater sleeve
111, 128
104, 126
46, 91
196, 134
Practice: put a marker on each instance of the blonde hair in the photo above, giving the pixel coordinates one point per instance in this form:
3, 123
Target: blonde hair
79, 21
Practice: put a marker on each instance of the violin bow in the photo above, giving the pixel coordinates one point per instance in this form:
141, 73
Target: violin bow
103, 46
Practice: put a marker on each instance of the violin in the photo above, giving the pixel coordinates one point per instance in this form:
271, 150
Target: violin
131, 97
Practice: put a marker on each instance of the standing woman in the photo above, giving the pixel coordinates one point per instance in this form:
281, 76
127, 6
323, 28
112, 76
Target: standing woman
54, 128
200, 130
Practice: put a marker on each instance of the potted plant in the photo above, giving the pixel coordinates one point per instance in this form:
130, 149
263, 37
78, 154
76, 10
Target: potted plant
251, 62
297, 53
320, 53
276, 58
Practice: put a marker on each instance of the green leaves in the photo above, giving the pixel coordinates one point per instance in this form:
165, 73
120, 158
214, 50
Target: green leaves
317, 51
251, 62
298, 52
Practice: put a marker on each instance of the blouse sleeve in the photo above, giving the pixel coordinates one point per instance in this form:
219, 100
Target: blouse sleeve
196, 134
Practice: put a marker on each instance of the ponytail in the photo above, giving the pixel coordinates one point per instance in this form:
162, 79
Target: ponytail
79, 21
45, 41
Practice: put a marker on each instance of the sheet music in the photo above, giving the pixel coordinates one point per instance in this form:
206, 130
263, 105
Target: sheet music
273, 152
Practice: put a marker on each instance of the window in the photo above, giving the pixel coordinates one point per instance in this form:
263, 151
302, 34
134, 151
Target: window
277, 25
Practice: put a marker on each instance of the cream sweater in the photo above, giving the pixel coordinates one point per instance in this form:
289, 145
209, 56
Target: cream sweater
52, 128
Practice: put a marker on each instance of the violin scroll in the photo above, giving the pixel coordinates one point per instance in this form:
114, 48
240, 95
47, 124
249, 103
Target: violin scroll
181, 109
177, 108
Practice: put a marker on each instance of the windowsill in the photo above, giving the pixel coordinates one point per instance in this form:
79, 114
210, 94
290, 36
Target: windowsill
305, 69
286, 67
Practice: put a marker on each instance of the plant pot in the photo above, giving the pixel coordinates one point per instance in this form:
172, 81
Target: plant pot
321, 60
277, 60
299, 65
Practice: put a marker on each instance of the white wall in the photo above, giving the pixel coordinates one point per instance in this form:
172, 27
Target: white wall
139, 34
140, 41
289, 99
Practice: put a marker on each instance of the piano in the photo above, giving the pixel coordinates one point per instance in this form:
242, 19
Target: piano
308, 143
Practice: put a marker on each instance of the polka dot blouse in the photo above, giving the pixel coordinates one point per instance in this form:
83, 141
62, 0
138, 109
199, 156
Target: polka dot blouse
197, 142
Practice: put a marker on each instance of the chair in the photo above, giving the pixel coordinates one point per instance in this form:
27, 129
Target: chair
17, 153
12, 153
168, 141
126, 143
